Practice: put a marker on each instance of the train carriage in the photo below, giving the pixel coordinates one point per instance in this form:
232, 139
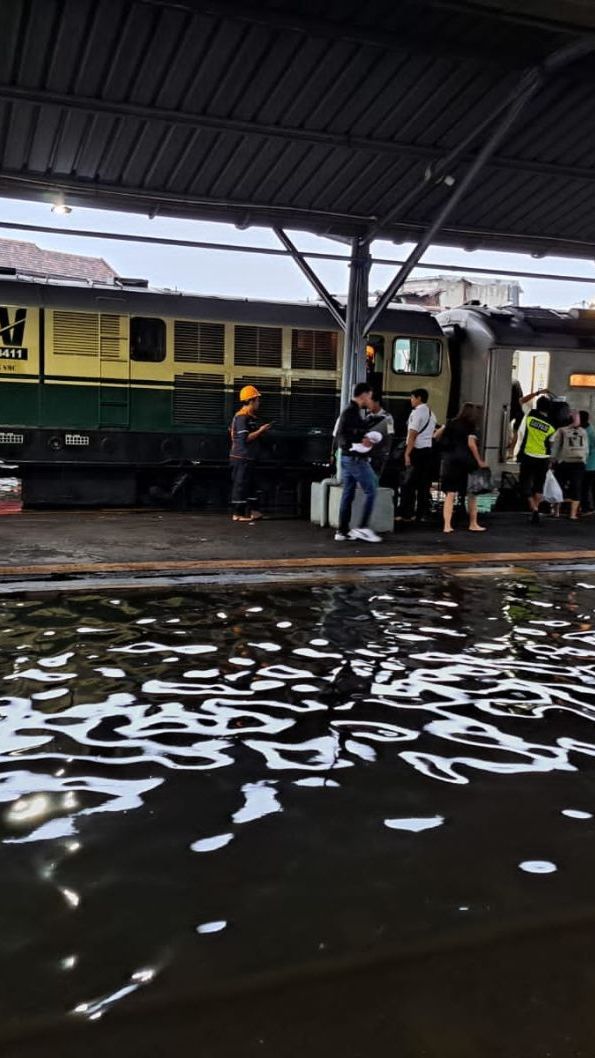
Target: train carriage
538, 348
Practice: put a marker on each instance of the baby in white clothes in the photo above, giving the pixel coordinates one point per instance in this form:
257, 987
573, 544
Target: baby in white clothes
362, 447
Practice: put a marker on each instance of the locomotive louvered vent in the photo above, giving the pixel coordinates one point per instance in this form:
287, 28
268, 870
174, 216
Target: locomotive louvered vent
315, 350
258, 346
111, 344
110, 325
313, 404
199, 343
271, 405
76, 334
199, 399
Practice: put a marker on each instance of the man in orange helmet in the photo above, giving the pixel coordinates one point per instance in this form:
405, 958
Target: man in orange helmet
245, 434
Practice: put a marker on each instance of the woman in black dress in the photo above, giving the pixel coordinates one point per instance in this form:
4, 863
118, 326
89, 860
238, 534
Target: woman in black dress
460, 456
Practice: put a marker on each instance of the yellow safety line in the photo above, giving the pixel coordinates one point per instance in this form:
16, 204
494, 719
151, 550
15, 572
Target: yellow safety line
265, 565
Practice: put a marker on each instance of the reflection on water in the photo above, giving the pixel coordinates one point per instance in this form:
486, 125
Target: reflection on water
218, 783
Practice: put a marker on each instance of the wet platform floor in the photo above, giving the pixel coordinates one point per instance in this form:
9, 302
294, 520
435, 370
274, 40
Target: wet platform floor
40, 544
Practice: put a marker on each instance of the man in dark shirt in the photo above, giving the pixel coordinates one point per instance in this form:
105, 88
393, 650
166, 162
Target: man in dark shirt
355, 467
245, 434
381, 420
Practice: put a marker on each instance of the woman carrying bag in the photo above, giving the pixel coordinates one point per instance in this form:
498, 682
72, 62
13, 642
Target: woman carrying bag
458, 440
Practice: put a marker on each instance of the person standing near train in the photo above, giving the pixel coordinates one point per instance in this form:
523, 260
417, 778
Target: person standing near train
415, 493
382, 421
245, 432
569, 452
588, 493
535, 437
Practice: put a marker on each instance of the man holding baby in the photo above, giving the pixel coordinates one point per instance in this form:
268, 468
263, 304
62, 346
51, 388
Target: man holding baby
355, 441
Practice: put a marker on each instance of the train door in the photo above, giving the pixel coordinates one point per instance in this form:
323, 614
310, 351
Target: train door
114, 372
529, 374
531, 369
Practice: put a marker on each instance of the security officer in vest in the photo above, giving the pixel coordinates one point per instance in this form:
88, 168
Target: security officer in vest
535, 437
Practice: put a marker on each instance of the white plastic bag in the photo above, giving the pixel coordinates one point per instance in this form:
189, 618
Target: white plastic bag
552, 493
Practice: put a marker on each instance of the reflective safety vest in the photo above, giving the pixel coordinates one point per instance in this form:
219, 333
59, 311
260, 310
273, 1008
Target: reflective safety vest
537, 433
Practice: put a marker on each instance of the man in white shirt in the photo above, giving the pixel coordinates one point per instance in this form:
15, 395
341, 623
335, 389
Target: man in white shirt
415, 492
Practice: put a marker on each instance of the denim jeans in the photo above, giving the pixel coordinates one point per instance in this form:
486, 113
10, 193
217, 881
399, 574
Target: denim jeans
356, 472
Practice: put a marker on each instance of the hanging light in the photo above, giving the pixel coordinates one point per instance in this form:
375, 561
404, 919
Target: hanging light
61, 208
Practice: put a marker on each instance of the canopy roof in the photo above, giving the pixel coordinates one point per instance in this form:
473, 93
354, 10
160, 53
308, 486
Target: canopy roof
276, 114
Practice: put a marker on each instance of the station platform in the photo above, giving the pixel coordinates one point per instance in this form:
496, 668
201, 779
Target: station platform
46, 546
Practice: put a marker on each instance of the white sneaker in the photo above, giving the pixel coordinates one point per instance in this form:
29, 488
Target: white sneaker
343, 536
368, 535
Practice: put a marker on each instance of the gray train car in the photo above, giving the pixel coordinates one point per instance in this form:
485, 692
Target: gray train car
539, 348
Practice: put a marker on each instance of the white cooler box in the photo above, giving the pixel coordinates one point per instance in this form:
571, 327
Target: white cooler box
316, 492
383, 515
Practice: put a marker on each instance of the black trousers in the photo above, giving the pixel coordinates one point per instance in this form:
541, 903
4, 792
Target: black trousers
415, 493
588, 496
243, 492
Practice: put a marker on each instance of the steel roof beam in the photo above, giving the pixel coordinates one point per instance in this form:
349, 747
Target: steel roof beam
94, 106
153, 203
312, 278
563, 18
315, 255
404, 40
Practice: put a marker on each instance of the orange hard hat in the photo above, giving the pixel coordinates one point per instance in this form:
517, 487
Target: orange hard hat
249, 393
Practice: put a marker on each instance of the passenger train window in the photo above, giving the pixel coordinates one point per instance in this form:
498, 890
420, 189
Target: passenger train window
417, 356
147, 339
582, 381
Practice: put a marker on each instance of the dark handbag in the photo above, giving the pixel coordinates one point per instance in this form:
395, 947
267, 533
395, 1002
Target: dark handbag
510, 497
480, 481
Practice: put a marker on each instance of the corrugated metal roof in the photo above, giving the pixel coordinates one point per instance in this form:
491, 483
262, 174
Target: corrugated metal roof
277, 114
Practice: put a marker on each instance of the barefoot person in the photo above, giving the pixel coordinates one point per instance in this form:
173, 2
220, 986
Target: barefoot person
245, 432
461, 455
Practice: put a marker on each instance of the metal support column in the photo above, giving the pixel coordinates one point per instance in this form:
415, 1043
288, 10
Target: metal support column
354, 349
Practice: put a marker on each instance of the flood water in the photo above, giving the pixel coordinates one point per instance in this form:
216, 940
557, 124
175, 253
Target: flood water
209, 789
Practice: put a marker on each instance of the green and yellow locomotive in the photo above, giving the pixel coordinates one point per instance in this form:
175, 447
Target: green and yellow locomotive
107, 392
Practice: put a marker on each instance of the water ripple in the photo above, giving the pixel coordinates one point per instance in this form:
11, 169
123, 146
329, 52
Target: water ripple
424, 691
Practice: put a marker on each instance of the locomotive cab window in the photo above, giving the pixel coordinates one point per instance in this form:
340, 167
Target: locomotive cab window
147, 339
417, 356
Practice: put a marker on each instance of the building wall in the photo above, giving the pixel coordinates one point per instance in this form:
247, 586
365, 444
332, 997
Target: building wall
446, 292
